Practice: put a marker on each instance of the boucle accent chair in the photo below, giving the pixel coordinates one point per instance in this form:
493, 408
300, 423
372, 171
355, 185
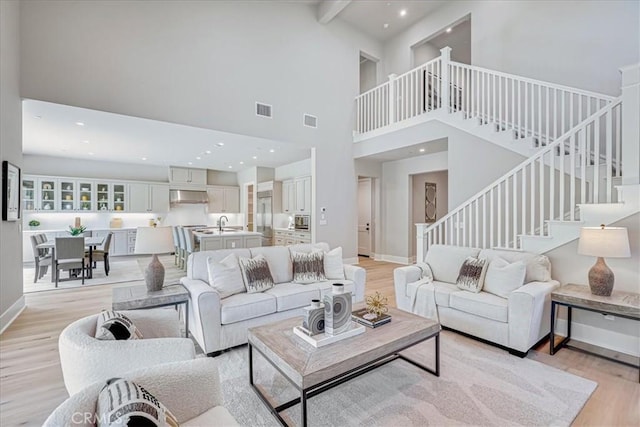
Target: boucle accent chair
85, 359
189, 389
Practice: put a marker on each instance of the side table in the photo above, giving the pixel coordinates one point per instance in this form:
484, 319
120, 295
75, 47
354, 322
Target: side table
621, 304
137, 297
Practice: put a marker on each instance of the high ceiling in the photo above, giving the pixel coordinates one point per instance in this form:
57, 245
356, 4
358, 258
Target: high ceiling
370, 16
54, 130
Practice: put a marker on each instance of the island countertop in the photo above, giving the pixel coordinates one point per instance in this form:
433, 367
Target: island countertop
214, 232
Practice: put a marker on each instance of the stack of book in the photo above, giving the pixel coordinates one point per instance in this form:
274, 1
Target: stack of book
367, 319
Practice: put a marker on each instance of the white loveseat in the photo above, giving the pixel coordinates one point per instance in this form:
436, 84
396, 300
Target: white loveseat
517, 322
217, 323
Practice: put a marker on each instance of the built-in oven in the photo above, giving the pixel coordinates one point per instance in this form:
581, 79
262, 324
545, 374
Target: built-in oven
301, 222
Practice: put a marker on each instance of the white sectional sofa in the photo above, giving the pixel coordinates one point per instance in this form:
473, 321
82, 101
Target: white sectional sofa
217, 323
516, 322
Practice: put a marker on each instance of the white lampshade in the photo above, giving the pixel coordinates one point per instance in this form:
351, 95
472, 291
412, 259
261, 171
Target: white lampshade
606, 242
154, 240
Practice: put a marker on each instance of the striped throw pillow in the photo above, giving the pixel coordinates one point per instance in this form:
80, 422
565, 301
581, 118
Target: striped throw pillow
112, 325
471, 275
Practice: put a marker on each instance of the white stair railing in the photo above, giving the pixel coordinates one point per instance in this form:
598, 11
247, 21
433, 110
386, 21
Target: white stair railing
577, 168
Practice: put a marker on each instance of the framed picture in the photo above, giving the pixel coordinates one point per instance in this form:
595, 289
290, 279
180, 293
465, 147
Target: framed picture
10, 192
429, 202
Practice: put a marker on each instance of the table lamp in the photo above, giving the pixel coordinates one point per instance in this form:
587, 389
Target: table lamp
154, 240
601, 242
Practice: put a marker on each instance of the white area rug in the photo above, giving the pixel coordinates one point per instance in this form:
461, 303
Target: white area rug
478, 385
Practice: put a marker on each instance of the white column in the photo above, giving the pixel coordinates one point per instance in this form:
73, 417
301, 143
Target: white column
630, 124
392, 98
444, 76
421, 241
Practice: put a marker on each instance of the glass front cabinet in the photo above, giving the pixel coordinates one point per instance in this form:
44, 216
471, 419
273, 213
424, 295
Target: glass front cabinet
29, 196
48, 194
68, 195
85, 196
111, 197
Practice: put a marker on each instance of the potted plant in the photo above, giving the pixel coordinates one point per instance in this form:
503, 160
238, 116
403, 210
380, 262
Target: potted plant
34, 223
76, 231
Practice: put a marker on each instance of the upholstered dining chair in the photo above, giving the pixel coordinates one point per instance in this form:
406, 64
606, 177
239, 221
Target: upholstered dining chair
189, 241
183, 248
69, 256
176, 245
102, 254
190, 389
85, 359
42, 257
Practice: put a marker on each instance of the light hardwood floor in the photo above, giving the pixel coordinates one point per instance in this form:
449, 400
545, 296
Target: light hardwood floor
31, 384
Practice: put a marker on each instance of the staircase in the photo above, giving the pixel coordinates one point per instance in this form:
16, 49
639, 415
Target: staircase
571, 140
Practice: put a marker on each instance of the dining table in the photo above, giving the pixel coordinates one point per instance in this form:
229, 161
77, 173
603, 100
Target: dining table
89, 242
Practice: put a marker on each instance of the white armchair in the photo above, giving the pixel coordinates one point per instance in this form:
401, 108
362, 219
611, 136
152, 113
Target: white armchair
189, 389
85, 359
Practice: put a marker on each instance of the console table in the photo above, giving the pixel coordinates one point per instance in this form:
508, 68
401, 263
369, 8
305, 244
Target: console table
620, 304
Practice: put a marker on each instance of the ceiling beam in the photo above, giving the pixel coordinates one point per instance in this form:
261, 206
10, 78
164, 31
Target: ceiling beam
329, 9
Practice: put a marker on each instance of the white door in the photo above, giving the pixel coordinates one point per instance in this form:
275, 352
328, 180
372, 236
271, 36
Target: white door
365, 207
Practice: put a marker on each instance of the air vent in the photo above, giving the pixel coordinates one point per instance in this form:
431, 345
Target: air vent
264, 110
310, 121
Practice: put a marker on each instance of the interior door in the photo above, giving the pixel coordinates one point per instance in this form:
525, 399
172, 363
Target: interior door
365, 207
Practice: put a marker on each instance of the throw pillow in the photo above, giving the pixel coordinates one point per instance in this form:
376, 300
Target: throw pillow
256, 274
471, 275
333, 268
112, 325
225, 276
425, 271
125, 403
308, 267
503, 278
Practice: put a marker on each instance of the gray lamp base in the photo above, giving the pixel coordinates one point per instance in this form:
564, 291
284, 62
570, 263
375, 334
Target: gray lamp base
154, 274
601, 279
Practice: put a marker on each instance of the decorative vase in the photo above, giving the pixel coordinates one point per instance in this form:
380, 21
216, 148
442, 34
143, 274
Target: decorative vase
314, 318
337, 310
154, 274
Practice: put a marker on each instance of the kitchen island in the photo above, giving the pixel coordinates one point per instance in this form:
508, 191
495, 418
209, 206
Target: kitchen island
212, 239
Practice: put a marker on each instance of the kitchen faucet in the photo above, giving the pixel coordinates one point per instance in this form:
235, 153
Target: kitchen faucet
220, 224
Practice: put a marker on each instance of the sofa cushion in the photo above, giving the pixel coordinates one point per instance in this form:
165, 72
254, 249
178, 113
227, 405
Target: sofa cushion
279, 261
308, 247
538, 266
443, 292
293, 295
325, 287
333, 267
239, 307
503, 278
197, 264
482, 304
471, 276
225, 276
445, 261
308, 267
256, 274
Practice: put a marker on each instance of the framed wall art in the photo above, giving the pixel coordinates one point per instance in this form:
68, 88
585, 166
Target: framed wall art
10, 192
429, 202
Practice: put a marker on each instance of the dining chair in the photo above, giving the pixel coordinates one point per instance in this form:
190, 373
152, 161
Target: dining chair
189, 240
176, 245
69, 256
183, 248
41, 257
102, 254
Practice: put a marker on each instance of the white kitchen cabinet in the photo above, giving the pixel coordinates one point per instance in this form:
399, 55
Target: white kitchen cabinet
112, 197
148, 198
224, 199
288, 197
187, 176
232, 242
119, 243
252, 241
303, 194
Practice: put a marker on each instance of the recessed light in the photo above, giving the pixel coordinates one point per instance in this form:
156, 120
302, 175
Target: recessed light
421, 150
190, 163
242, 163
37, 117
255, 157
80, 123
449, 30
86, 141
90, 153
385, 26
144, 158
272, 151
208, 152
220, 144
198, 158
403, 12
230, 167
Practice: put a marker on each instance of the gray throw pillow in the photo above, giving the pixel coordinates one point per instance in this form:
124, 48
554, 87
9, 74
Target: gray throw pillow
471, 275
308, 267
256, 274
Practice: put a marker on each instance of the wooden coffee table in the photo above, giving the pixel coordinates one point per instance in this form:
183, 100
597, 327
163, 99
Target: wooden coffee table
314, 370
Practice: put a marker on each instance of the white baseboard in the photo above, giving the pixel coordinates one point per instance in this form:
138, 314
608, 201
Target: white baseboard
395, 259
12, 313
352, 261
611, 340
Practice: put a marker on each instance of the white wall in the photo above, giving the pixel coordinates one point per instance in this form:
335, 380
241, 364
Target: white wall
292, 170
205, 64
368, 77
397, 215
578, 44
423, 52
11, 298
441, 179
569, 267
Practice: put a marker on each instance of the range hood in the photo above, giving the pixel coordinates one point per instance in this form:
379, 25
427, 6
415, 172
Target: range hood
187, 197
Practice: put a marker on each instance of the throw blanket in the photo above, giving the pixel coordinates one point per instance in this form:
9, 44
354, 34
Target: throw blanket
423, 299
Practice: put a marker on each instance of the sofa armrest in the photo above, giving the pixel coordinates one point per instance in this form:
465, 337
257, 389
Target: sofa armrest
359, 277
402, 276
204, 314
528, 309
